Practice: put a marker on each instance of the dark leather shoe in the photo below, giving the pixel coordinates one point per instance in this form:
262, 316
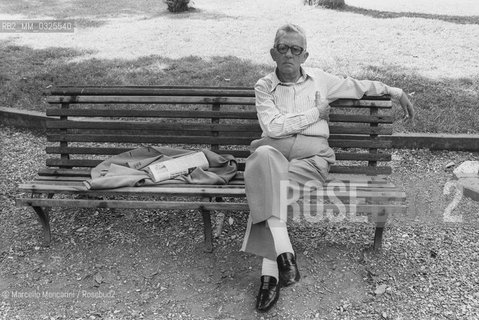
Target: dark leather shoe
268, 293
288, 270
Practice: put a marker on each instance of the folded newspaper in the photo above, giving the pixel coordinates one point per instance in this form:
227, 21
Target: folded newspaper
172, 168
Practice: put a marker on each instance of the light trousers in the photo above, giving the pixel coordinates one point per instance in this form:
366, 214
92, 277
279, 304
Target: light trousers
296, 160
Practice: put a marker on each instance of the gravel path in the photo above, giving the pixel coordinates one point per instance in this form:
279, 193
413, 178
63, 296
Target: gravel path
151, 262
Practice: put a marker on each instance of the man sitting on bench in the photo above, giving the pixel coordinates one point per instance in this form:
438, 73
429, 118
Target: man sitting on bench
293, 110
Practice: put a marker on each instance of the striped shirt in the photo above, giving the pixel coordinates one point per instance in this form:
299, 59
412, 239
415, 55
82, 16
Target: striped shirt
285, 109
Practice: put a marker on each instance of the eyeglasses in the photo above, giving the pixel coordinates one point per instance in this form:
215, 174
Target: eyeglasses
283, 49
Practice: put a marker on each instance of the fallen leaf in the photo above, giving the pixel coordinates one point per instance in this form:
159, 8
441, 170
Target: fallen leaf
450, 164
380, 290
98, 278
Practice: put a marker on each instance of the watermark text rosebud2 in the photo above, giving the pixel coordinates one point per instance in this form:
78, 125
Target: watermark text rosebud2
334, 201
37, 26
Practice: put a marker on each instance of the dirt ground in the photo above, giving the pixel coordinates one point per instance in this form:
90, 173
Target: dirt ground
151, 265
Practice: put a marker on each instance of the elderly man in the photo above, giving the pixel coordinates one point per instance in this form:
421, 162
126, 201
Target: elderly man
293, 110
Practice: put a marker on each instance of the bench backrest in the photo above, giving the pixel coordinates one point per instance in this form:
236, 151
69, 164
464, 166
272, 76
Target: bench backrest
94, 123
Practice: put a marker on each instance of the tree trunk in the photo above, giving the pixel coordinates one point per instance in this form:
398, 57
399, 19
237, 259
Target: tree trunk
177, 5
330, 4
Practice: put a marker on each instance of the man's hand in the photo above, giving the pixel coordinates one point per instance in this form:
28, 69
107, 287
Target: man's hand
407, 107
323, 106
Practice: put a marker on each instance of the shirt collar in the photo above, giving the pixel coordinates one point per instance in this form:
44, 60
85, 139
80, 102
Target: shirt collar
275, 80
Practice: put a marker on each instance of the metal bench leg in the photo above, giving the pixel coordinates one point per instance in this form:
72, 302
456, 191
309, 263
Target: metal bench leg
207, 229
48, 209
381, 219
44, 219
220, 220
378, 238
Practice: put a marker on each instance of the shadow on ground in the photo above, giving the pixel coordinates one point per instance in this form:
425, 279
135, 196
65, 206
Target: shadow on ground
392, 15
30, 72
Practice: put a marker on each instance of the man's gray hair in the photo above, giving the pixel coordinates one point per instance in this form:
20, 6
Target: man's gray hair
290, 28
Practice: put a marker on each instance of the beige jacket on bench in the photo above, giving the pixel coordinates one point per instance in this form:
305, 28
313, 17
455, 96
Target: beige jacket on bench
126, 169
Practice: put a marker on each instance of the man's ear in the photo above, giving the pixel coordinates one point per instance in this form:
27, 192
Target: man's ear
273, 53
305, 57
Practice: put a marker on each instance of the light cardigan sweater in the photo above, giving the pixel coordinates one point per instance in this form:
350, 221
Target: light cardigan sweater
285, 109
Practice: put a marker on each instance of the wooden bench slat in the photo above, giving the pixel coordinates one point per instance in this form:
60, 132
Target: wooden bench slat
236, 153
81, 99
56, 179
350, 130
79, 182
54, 162
83, 172
152, 91
170, 91
77, 185
87, 150
364, 103
106, 125
358, 118
73, 163
339, 156
117, 150
194, 114
223, 100
134, 113
346, 178
235, 183
220, 140
355, 156
369, 170
365, 185
194, 190
150, 125
180, 190
131, 204
366, 143
149, 139
246, 136
227, 206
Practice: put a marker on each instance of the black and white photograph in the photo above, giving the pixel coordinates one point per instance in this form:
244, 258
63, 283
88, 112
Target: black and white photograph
239, 159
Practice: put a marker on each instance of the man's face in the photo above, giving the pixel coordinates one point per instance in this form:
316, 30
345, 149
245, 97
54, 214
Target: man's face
288, 63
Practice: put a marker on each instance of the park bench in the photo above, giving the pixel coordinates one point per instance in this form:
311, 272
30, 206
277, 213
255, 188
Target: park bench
90, 124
